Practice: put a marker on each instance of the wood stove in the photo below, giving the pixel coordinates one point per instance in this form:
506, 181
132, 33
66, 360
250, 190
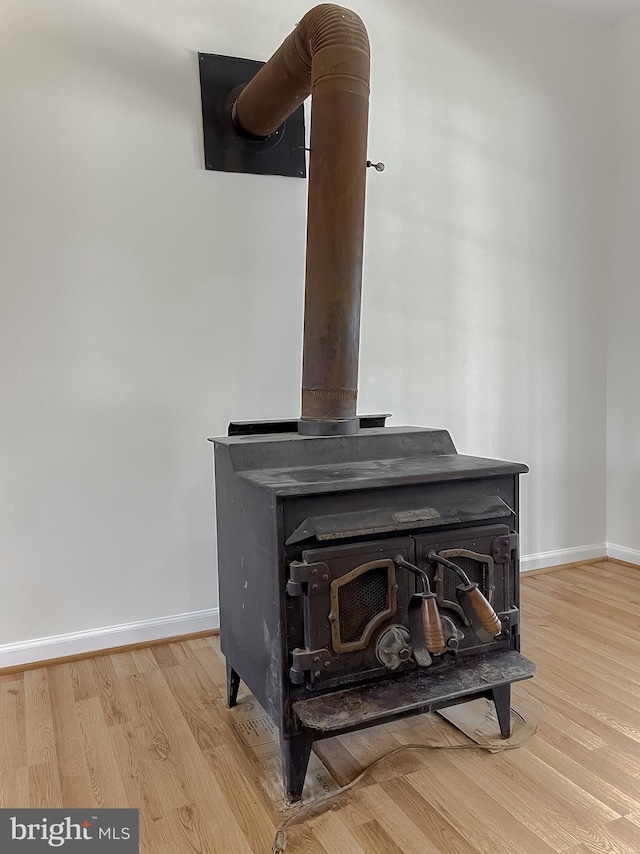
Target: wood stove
366, 572
320, 615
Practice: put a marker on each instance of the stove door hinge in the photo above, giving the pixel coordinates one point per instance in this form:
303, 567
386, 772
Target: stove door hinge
503, 546
314, 575
314, 661
510, 621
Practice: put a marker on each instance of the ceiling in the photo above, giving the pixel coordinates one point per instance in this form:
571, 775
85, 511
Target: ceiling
605, 11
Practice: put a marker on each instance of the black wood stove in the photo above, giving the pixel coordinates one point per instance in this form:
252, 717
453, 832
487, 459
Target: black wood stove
328, 549
366, 572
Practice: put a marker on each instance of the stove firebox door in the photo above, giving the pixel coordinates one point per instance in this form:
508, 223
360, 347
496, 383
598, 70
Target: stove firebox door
486, 554
349, 596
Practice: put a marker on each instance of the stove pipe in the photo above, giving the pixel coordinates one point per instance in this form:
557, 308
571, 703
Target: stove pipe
327, 56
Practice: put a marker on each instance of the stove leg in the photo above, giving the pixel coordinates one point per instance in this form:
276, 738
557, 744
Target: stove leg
233, 684
295, 759
502, 700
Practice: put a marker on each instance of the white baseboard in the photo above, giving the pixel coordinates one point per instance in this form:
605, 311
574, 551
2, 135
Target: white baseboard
94, 640
561, 556
622, 553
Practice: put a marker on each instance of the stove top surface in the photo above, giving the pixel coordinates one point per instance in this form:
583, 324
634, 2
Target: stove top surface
290, 464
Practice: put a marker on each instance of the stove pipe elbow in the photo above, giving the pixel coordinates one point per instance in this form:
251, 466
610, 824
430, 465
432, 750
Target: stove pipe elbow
327, 56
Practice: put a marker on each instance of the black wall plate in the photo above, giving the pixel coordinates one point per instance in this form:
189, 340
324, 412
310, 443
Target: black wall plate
225, 150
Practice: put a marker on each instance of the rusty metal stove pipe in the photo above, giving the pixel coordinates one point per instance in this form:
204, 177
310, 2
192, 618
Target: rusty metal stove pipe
327, 56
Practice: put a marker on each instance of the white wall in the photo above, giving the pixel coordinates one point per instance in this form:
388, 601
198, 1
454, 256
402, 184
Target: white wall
623, 518
135, 322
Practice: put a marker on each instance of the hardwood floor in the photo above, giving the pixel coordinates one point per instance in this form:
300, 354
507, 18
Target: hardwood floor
149, 729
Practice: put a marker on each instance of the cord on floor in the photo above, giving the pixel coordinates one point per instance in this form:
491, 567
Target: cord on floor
282, 834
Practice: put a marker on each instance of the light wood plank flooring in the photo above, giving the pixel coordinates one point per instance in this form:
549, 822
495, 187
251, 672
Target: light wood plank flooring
148, 729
